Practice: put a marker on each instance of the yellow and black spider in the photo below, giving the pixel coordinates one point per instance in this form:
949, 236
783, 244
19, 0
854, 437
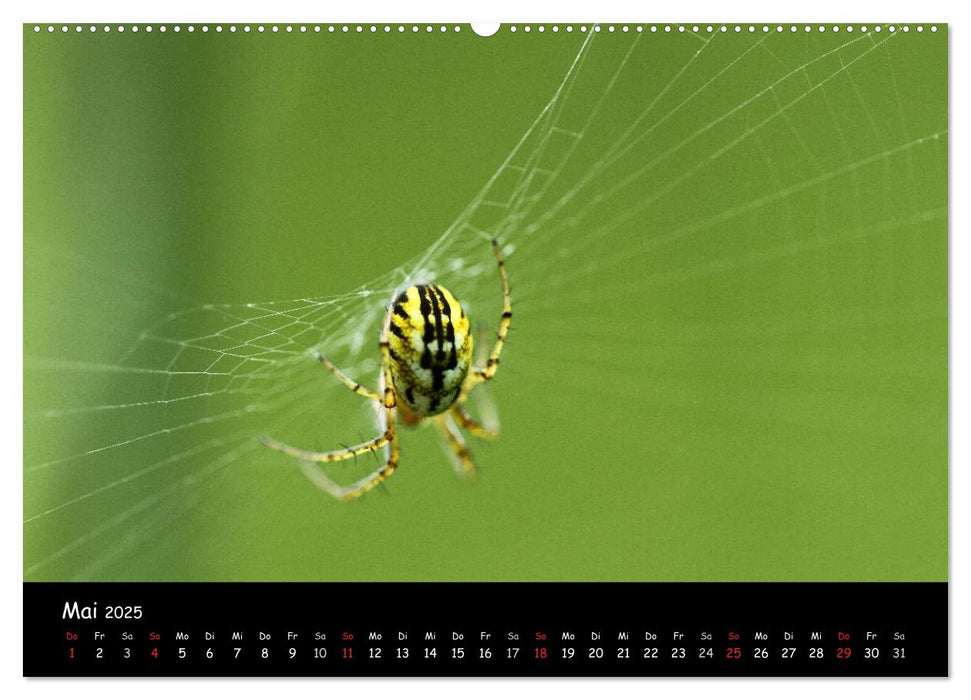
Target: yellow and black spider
426, 373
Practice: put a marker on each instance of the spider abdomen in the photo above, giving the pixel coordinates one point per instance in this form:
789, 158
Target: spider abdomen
430, 348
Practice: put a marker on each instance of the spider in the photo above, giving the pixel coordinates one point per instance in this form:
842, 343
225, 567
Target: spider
426, 374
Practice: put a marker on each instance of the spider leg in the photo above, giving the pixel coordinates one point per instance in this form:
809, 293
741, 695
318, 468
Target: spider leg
331, 456
464, 465
356, 387
477, 375
385, 346
362, 486
471, 424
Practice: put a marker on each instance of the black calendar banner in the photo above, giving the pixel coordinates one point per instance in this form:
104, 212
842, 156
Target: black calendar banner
485, 629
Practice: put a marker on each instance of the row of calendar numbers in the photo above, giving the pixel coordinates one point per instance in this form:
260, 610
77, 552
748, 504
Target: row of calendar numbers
539, 653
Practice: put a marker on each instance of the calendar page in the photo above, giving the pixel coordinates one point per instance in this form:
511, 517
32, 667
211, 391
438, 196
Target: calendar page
590, 349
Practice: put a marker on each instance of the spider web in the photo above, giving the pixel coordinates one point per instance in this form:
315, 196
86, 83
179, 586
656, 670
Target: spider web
604, 192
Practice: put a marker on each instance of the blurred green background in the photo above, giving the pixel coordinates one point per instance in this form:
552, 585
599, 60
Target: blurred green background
729, 355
